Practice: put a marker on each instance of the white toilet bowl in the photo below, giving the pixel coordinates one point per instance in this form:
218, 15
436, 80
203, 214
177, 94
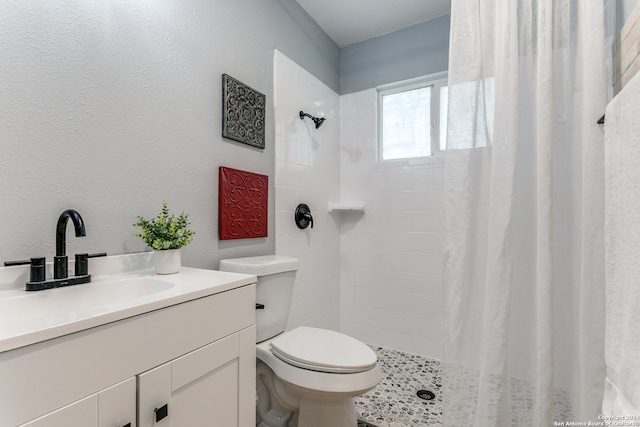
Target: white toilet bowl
307, 377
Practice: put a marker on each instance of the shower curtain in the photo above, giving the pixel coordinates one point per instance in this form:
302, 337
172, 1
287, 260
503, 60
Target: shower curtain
524, 266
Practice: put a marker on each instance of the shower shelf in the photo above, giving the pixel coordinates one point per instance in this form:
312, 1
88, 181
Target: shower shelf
346, 207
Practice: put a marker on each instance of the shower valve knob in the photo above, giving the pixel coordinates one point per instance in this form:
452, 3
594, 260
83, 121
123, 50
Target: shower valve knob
303, 216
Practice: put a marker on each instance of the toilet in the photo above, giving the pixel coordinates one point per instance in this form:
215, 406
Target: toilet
305, 377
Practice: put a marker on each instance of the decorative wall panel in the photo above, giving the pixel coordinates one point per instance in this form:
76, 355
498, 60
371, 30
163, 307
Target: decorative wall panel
243, 200
242, 112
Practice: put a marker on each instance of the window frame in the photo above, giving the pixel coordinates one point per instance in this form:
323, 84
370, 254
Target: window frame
436, 81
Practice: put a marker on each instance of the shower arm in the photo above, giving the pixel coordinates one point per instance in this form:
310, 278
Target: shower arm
317, 120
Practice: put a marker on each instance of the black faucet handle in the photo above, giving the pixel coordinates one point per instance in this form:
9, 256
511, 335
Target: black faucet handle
38, 271
96, 255
81, 266
82, 262
17, 262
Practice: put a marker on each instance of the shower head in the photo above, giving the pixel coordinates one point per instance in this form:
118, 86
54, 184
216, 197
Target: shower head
317, 120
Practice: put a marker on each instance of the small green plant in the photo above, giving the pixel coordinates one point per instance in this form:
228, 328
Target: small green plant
165, 231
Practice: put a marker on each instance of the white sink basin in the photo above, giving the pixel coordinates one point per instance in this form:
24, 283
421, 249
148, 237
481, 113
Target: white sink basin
72, 302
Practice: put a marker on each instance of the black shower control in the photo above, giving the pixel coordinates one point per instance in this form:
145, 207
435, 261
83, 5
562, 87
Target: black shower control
303, 216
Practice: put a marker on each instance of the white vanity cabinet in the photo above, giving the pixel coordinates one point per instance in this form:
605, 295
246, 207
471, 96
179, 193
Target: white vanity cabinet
196, 357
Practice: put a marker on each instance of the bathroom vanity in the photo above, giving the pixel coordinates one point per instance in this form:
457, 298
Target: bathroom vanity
176, 350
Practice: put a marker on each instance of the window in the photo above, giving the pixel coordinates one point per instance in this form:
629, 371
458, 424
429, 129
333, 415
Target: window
412, 118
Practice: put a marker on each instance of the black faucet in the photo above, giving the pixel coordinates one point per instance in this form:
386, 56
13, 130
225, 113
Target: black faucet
60, 261
37, 277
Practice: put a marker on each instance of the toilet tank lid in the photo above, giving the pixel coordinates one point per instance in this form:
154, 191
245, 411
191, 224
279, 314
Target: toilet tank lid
260, 265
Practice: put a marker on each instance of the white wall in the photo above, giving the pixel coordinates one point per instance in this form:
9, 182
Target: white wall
109, 107
391, 263
307, 171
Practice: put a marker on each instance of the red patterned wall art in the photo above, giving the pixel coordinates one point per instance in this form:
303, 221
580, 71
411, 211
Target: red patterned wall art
243, 198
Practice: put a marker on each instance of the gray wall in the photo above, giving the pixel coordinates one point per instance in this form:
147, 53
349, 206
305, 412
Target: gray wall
415, 51
112, 107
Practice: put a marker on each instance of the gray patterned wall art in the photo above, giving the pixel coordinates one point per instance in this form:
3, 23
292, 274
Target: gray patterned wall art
242, 112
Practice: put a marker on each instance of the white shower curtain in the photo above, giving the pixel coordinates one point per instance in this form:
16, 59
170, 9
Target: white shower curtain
524, 264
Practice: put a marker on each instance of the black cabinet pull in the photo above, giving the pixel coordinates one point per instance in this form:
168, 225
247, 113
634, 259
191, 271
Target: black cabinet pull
259, 306
161, 412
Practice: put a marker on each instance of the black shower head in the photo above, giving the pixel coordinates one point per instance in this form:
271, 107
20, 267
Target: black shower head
317, 120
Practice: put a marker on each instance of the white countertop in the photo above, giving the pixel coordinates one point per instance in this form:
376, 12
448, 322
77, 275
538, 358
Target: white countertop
123, 286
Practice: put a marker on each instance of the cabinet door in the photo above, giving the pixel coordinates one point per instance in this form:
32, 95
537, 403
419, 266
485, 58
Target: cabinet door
78, 414
202, 388
117, 405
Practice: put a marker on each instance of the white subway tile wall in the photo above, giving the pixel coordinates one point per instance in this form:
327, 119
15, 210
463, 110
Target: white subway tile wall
375, 275
391, 258
307, 171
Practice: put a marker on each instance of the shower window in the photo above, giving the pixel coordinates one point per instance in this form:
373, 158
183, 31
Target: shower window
412, 118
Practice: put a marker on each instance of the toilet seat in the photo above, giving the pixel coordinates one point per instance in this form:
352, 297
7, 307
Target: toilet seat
323, 350
314, 382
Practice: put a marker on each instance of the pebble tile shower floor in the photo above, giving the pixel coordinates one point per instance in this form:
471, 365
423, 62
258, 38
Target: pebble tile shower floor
394, 402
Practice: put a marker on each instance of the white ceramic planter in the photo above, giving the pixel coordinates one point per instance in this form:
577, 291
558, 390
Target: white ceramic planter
168, 261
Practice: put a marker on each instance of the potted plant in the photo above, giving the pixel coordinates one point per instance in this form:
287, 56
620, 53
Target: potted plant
166, 234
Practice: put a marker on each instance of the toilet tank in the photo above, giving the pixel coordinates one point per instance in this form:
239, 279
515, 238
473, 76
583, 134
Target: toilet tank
274, 288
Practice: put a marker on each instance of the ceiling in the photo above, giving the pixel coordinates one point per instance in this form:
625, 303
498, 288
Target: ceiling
351, 21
